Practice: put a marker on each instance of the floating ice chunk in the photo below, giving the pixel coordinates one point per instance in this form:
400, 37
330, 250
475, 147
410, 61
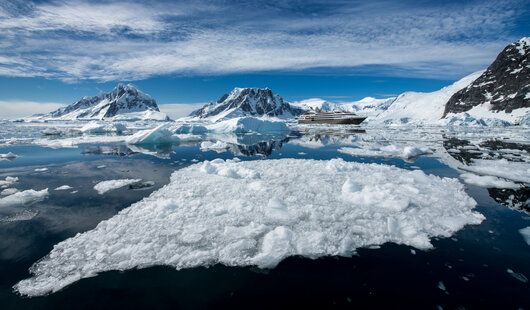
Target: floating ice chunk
8, 191
101, 166
525, 232
502, 168
488, 181
218, 146
63, 188
8, 155
100, 128
23, 198
248, 124
241, 213
8, 181
41, 169
158, 135
406, 152
51, 131
105, 186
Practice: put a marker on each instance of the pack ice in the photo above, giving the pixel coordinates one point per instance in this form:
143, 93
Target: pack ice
258, 213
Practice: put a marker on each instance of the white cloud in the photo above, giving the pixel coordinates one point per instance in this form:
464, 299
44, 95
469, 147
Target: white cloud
177, 110
118, 40
18, 108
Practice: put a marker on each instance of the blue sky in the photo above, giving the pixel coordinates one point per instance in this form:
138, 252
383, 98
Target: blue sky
53, 52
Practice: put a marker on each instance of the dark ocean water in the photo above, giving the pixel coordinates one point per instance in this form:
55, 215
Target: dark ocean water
468, 270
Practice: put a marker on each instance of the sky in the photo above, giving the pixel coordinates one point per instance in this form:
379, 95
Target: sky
186, 53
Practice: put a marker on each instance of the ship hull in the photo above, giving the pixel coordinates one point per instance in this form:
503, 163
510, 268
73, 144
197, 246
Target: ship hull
341, 121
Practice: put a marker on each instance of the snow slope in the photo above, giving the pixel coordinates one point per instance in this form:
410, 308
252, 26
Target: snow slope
367, 106
258, 213
421, 108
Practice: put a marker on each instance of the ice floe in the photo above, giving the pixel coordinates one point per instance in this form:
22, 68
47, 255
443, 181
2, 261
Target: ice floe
8, 156
24, 198
41, 169
63, 188
218, 146
8, 191
488, 181
242, 213
24, 215
406, 152
8, 181
100, 128
105, 186
502, 168
158, 135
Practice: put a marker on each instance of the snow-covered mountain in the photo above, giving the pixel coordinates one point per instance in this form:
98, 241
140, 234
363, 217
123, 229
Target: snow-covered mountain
502, 91
247, 102
367, 106
421, 108
124, 102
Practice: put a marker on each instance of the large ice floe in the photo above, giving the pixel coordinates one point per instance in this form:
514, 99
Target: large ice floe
241, 213
502, 168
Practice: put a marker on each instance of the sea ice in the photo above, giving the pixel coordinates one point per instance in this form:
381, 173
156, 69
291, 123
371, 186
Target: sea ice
488, 181
8, 191
100, 128
8, 181
41, 169
63, 188
242, 213
8, 156
502, 168
406, 152
158, 135
249, 124
23, 198
105, 186
218, 146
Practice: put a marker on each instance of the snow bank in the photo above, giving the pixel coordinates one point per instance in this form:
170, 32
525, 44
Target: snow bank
23, 198
100, 128
158, 135
406, 152
502, 168
487, 181
242, 213
8, 156
248, 124
421, 108
105, 186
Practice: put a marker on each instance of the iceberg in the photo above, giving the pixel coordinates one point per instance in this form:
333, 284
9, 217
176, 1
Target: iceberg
158, 135
99, 128
249, 125
407, 152
257, 213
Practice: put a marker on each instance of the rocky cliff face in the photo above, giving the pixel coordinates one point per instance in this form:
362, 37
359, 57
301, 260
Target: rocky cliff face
123, 99
247, 102
504, 86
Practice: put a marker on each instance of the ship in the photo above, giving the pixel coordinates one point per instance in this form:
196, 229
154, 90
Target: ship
332, 117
